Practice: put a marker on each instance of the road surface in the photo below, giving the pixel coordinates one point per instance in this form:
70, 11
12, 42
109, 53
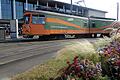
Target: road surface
20, 56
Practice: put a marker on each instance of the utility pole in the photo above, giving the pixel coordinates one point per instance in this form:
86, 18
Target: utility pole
117, 11
71, 7
84, 2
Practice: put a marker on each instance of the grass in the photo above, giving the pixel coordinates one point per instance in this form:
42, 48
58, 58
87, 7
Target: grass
82, 49
42, 72
50, 69
102, 42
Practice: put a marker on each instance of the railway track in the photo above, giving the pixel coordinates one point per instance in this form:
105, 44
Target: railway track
20, 55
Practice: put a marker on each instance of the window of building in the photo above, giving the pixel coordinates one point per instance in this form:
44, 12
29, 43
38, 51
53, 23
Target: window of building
19, 10
30, 6
6, 9
6, 1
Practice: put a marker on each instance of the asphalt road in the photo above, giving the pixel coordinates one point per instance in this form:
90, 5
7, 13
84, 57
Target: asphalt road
21, 56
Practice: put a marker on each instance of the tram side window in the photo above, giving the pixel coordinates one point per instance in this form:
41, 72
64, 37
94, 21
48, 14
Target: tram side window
27, 19
93, 24
85, 24
38, 19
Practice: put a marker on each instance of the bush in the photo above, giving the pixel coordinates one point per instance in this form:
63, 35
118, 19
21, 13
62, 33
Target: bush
81, 69
110, 59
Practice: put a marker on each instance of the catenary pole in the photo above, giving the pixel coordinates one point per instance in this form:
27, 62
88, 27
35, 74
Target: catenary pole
117, 11
71, 7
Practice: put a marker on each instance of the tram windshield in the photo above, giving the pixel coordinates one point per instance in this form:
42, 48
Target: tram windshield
38, 19
27, 19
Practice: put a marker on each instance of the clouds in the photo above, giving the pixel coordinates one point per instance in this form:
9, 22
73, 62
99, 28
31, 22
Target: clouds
107, 5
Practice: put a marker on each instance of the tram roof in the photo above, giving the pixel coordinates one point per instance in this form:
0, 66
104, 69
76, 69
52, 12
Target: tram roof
102, 18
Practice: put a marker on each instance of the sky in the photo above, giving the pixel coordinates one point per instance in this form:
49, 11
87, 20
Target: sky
105, 5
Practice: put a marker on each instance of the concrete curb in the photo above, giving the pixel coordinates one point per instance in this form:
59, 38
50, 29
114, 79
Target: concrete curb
16, 40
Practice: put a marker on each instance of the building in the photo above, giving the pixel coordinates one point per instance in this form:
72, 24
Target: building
96, 13
14, 9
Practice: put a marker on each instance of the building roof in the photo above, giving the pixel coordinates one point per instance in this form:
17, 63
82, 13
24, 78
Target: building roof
59, 4
97, 10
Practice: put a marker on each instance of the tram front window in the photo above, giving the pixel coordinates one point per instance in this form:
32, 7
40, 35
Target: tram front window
38, 19
27, 19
